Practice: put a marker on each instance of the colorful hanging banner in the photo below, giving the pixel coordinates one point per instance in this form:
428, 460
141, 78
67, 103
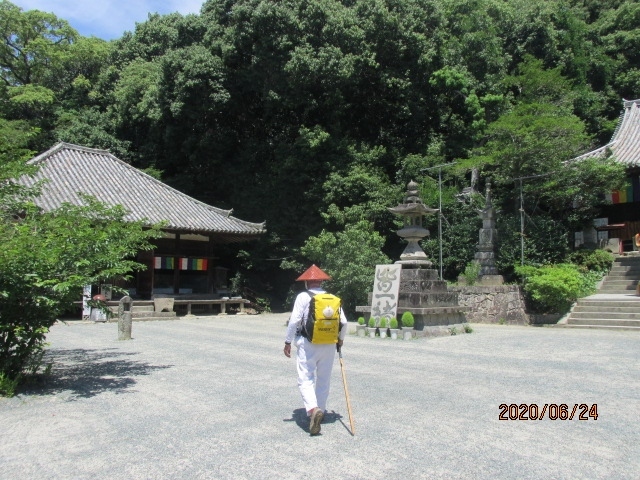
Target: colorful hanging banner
629, 193
193, 264
164, 263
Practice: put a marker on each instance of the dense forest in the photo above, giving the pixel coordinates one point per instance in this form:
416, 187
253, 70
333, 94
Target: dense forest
315, 114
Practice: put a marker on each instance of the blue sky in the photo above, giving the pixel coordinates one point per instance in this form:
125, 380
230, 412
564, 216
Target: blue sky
108, 19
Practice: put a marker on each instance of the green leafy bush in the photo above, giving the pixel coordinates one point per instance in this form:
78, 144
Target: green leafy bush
553, 288
383, 322
8, 384
472, 272
372, 322
407, 319
360, 320
592, 260
393, 323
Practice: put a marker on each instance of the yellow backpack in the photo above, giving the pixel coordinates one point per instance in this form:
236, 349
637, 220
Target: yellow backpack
323, 319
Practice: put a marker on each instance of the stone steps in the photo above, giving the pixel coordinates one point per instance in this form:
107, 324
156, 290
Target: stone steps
626, 316
617, 308
599, 327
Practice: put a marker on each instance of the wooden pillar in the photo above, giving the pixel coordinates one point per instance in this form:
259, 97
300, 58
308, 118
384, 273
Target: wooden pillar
176, 271
145, 277
211, 279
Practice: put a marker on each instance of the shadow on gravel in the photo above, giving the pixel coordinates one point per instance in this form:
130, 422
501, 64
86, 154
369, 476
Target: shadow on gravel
300, 417
87, 373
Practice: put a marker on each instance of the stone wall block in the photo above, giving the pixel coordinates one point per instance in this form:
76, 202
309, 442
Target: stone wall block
493, 304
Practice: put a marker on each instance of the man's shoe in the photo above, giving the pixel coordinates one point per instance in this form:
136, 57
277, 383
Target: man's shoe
316, 418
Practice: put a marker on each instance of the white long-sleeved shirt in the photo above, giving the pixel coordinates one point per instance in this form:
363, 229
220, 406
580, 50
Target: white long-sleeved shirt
299, 314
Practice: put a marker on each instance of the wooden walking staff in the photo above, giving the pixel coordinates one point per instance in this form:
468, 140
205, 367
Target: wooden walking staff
346, 391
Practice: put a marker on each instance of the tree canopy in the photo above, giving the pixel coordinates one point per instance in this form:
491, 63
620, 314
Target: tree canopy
314, 115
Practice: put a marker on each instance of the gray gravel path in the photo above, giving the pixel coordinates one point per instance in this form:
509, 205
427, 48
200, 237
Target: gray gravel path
215, 398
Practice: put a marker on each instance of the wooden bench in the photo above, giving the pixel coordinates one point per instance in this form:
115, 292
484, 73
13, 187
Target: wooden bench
185, 301
219, 301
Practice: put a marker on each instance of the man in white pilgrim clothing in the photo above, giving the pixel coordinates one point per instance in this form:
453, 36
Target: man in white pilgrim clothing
314, 361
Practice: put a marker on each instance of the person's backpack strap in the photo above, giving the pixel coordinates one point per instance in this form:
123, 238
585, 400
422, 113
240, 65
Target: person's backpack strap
305, 319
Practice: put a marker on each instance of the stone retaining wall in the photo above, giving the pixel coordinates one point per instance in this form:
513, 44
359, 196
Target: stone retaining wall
493, 304
502, 304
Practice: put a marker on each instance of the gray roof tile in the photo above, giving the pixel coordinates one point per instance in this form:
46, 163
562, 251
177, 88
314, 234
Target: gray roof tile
70, 169
625, 143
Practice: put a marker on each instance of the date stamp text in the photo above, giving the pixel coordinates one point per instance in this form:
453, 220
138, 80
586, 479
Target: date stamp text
552, 411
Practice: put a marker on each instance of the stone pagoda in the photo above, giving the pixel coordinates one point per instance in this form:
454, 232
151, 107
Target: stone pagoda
485, 255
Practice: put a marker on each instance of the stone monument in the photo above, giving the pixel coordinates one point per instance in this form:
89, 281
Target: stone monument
485, 255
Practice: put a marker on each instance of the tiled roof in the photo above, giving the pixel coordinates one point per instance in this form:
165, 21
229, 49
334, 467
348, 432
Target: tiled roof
70, 169
625, 143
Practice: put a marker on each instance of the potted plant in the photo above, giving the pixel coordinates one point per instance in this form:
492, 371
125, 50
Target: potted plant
407, 325
372, 327
393, 327
383, 327
361, 328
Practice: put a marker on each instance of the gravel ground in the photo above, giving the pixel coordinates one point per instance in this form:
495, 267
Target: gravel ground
215, 398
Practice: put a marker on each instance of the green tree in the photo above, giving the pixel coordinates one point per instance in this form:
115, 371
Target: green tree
46, 259
350, 258
46, 68
618, 29
92, 127
14, 138
33, 43
460, 229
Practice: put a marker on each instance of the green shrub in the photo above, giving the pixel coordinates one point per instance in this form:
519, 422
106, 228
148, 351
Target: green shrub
472, 272
8, 384
407, 319
553, 288
372, 322
360, 320
383, 322
592, 260
393, 323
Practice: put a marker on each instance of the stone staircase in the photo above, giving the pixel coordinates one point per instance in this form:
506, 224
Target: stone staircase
623, 277
615, 305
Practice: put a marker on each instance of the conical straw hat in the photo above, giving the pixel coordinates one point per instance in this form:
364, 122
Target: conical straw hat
313, 273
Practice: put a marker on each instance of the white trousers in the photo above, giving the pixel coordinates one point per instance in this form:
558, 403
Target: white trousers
314, 363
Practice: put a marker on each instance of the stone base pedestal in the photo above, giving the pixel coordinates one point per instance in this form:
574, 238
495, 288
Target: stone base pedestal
491, 280
427, 298
163, 304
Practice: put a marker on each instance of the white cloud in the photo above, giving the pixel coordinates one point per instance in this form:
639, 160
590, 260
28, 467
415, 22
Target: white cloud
109, 18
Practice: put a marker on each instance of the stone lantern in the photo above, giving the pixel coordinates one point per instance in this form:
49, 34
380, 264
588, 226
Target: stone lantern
413, 211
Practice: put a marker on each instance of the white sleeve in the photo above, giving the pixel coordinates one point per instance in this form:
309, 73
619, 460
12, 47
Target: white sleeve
343, 322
